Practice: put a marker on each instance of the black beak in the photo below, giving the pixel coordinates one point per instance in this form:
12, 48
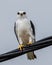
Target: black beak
21, 14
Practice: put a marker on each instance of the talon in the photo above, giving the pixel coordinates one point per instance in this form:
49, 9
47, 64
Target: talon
21, 46
29, 43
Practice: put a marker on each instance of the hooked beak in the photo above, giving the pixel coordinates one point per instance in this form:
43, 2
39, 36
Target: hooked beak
21, 14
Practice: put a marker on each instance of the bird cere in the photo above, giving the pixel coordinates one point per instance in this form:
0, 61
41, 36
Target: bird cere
25, 32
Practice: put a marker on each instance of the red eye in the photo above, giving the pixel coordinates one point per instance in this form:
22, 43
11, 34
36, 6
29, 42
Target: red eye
18, 13
24, 12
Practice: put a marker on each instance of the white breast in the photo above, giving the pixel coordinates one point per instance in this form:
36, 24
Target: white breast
22, 25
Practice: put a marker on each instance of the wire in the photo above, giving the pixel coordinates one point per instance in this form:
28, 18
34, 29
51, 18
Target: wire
16, 52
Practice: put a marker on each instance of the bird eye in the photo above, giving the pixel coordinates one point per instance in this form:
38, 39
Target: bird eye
24, 12
18, 13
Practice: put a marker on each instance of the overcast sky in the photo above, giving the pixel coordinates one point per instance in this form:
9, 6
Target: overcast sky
40, 12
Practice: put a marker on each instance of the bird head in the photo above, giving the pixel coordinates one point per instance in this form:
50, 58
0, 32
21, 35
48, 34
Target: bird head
21, 14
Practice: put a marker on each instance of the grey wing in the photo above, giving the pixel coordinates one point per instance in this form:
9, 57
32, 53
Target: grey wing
15, 31
33, 28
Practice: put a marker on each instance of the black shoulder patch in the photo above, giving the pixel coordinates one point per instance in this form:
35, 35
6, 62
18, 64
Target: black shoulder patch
15, 31
33, 28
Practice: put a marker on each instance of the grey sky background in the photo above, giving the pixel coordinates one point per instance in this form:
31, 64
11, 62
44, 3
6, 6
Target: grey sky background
40, 12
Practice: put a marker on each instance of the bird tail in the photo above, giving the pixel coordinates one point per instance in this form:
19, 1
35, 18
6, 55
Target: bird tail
31, 55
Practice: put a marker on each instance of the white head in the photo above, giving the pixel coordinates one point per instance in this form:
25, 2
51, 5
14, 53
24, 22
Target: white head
21, 14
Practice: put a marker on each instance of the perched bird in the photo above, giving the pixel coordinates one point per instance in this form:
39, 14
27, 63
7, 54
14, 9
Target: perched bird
25, 32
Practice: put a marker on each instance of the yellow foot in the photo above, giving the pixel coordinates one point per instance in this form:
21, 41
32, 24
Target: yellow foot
29, 43
21, 46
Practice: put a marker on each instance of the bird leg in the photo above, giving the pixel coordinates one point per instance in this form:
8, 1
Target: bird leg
30, 41
21, 44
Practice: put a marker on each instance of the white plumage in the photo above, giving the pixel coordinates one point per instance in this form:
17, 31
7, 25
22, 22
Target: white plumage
25, 33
